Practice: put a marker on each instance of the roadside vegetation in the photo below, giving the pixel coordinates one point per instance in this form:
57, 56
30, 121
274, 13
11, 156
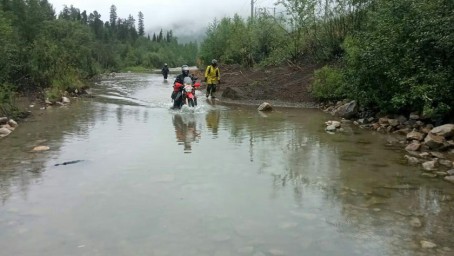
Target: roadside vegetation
390, 56
51, 54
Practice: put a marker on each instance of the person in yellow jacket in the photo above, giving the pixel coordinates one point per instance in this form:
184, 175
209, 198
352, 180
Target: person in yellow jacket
212, 78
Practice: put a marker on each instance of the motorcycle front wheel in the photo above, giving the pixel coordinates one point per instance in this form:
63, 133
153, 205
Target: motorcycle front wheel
191, 102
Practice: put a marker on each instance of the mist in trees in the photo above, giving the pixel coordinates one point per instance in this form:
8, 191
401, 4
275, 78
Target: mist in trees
45, 51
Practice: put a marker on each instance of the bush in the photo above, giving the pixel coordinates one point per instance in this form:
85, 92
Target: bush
403, 60
7, 102
68, 82
328, 84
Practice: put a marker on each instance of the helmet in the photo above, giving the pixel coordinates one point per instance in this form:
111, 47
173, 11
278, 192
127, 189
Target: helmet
165, 64
214, 61
185, 70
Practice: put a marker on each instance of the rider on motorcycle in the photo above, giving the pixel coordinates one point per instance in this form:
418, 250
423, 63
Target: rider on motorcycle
180, 80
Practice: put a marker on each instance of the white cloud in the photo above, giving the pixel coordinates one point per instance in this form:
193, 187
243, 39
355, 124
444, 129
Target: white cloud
182, 16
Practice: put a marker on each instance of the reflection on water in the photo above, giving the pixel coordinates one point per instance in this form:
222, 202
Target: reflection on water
186, 130
253, 183
212, 120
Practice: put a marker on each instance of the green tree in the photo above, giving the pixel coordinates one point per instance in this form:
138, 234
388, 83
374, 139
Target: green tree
141, 25
160, 36
6, 47
403, 59
217, 39
113, 16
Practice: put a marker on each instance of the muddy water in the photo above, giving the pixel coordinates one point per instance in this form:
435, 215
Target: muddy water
217, 180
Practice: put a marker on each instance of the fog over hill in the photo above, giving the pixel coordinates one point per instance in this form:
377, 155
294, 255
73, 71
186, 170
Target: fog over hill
186, 19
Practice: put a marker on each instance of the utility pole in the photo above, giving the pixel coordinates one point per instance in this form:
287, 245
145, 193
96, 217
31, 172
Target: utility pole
252, 10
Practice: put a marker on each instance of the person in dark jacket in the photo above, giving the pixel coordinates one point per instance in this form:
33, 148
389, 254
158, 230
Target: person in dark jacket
180, 79
165, 71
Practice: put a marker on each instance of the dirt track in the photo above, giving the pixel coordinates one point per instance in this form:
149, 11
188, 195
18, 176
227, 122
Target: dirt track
281, 86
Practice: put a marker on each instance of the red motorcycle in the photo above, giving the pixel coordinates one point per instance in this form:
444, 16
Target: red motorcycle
185, 93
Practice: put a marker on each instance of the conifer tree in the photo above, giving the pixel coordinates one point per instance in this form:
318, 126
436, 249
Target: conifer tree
141, 25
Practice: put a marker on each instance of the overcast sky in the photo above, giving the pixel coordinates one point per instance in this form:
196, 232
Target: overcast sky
182, 16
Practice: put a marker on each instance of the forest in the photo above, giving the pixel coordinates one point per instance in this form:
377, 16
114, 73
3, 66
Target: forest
48, 53
391, 56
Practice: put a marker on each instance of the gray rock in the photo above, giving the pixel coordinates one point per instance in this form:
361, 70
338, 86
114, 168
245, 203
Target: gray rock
434, 141
65, 100
415, 222
414, 146
441, 174
393, 122
389, 129
412, 160
336, 124
12, 123
424, 155
430, 165
446, 130
403, 131
7, 126
4, 132
427, 244
40, 148
383, 120
445, 162
402, 119
437, 155
331, 128
450, 172
429, 175
414, 116
3, 120
449, 178
346, 121
347, 110
265, 106
425, 130
414, 135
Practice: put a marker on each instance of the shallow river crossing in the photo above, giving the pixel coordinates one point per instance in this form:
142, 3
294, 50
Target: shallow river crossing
214, 180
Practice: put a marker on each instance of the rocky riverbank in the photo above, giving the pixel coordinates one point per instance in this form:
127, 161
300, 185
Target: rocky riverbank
430, 147
422, 143
8, 125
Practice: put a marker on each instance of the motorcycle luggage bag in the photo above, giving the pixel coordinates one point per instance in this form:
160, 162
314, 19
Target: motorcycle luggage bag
177, 87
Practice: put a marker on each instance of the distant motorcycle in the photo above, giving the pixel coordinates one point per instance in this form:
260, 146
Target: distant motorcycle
185, 93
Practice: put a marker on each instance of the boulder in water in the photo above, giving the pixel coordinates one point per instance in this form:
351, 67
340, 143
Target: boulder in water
265, 106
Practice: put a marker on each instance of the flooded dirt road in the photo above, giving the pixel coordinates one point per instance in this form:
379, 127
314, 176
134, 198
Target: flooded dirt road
214, 180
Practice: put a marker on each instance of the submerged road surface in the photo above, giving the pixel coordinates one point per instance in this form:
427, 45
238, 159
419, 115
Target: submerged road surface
214, 180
